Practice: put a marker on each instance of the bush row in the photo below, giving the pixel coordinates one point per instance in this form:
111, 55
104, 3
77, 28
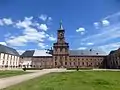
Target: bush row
79, 68
33, 68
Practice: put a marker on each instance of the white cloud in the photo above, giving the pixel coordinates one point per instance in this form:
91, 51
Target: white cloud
51, 38
87, 44
43, 27
29, 35
49, 18
81, 30
25, 23
16, 41
96, 25
42, 45
29, 18
3, 43
112, 16
31, 31
82, 33
82, 48
105, 22
32, 34
43, 17
7, 21
109, 47
107, 33
90, 44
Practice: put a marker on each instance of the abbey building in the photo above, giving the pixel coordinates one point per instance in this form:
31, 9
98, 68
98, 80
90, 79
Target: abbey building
62, 56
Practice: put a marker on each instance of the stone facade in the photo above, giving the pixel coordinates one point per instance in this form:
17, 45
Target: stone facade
60, 50
113, 59
42, 62
8, 60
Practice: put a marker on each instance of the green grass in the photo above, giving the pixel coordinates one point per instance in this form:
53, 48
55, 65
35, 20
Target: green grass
8, 73
84, 80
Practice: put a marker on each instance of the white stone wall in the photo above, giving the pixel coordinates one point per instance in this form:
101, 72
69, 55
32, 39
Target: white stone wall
26, 62
8, 61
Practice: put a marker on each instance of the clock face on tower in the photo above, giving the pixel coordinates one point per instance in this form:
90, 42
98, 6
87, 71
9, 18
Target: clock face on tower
61, 35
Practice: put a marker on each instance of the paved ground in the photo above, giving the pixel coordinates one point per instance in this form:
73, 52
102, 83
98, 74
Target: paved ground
5, 82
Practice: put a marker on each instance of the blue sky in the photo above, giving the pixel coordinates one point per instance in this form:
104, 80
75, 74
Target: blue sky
32, 24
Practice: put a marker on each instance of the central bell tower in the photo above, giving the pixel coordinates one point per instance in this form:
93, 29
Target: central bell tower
60, 49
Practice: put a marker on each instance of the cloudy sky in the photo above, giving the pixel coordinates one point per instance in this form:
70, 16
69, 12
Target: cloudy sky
32, 24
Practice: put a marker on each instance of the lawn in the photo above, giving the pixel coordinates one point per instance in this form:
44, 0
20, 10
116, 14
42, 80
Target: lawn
84, 80
8, 73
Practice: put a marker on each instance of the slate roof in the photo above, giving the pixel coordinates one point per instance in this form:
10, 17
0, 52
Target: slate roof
31, 53
112, 52
86, 52
8, 50
28, 53
41, 53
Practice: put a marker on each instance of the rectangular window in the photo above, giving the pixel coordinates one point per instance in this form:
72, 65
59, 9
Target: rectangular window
60, 49
74, 63
3, 56
60, 57
7, 62
3, 62
55, 57
7, 57
66, 50
65, 63
87, 63
66, 58
55, 63
83, 63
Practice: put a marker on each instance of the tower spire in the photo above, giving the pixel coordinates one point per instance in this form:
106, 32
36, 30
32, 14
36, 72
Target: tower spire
61, 26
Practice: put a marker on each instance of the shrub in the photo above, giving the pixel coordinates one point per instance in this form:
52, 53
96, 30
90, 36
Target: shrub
80, 68
34, 68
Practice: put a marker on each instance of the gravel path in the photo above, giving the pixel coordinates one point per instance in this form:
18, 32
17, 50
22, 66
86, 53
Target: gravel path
6, 82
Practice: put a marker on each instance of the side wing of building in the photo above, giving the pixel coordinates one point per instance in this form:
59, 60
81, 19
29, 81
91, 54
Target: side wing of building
9, 57
113, 59
36, 59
